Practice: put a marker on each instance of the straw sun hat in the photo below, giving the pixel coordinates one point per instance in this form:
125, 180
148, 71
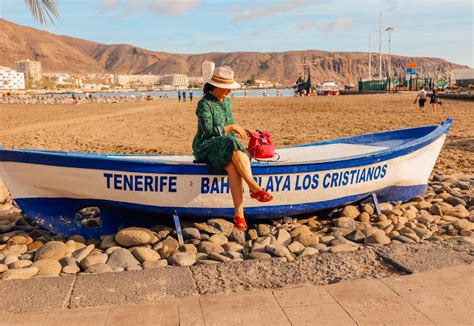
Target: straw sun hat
223, 77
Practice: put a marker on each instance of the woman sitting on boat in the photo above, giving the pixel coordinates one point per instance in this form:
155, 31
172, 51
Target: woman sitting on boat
217, 145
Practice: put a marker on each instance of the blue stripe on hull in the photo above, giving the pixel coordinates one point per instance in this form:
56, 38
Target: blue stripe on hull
58, 214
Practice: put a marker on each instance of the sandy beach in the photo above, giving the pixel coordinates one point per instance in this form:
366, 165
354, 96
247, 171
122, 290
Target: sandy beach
167, 127
430, 231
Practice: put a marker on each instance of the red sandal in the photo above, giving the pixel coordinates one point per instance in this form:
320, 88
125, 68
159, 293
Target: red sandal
261, 196
240, 223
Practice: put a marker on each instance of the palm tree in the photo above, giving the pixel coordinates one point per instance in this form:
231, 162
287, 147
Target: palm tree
43, 9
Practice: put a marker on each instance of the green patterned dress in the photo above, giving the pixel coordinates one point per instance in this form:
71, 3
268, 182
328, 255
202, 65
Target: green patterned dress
211, 145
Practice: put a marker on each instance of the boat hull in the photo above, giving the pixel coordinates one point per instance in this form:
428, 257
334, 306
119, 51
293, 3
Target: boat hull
52, 188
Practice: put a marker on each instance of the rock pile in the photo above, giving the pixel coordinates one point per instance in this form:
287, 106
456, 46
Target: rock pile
446, 210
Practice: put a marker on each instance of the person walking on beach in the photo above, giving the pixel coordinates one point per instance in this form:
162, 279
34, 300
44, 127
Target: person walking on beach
421, 97
184, 96
434, 99
190, 96
216, 142
179, 95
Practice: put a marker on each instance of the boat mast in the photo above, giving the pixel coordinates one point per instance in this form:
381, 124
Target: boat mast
370, 57
380, 47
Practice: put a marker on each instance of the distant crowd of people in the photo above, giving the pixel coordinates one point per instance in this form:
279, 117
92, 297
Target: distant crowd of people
7, 98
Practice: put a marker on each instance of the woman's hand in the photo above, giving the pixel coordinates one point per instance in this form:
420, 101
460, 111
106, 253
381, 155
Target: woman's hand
249, 131
241, 132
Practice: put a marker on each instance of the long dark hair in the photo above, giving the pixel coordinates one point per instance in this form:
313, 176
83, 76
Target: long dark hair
208, 88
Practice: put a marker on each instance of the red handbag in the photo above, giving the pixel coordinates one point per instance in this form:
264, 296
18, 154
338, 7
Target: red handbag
261, 145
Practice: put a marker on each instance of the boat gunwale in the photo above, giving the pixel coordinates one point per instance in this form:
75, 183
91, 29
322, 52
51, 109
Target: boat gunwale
261, 168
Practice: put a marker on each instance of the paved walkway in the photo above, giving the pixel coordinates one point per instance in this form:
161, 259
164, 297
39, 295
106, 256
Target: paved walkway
436, 297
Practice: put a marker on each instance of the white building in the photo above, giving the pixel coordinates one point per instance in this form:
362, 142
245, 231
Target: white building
31, 69
462, 74
58, 78
207, 69
11, 79
128, 80
174, 80
195, 80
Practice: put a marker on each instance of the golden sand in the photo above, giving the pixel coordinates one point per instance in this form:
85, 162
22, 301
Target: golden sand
166, 126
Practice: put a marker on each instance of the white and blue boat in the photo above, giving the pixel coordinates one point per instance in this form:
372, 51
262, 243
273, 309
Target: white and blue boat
54, 188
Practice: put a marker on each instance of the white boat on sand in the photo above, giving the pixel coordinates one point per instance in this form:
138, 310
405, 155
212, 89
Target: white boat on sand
57, 189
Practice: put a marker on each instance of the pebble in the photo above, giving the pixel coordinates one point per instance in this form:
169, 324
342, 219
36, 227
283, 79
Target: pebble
145, 253
263, 230
237, 236
3, 268
52, 249
10, 259
283, 237
377, 237
131, 237
99, 268
34, 245
253, 235
182, 259
345, 222
309, 251
302, 229
107, 242
343, 247
20, 240
364, 217
77, 238
94, 259
82, 253
296, 247
279, 250
368, 208
259, 255
350, 211
404, 239
233, 246
222, 225
203, 227
15, 250
219, 257
218, 239
463, 224
70, 269
19, 274
47, 267
122, 258
167, 247
208, 262
308, 240
209, 247
20, 264
356, 236
155, 264
234, 255
188, 247
191, 233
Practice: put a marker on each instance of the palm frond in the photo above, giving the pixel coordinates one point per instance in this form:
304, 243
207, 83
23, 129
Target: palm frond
43, 9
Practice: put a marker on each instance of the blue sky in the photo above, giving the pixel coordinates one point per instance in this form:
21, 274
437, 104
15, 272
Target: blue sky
421, 27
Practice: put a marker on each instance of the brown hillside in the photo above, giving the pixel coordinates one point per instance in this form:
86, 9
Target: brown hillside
67, 54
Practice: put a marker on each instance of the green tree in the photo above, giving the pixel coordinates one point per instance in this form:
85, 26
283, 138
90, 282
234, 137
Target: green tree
42, 10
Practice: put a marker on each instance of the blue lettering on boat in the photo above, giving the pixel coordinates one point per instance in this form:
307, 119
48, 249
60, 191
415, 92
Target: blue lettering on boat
137, 182
310, 181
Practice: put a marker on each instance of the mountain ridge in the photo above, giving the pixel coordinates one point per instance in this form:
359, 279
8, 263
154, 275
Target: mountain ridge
63, 53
